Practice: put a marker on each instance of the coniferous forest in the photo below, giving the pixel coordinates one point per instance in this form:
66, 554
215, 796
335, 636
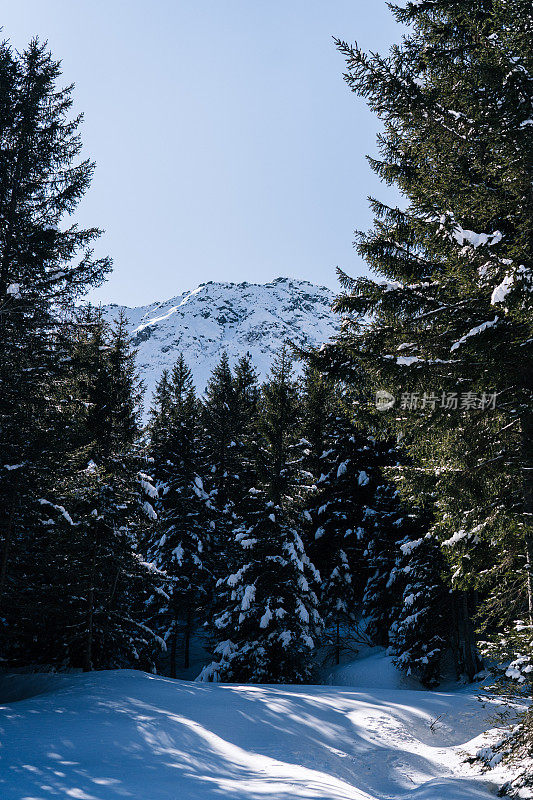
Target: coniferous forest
375, 491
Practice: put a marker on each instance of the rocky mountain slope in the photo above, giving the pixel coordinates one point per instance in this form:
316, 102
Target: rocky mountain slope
237, 318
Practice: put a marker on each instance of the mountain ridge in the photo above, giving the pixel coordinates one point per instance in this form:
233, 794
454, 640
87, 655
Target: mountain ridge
236, 318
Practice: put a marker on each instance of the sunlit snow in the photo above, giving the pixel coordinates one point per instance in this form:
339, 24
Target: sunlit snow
128, 735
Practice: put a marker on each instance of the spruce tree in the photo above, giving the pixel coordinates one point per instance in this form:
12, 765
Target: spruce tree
386, 529
46, 262
266, 617
447, 327
220, 425
181, 543
417, 634
98, 510
339, 467
247, 416
229, 449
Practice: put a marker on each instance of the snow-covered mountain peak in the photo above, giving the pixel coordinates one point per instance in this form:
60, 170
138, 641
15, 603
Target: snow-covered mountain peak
236, 318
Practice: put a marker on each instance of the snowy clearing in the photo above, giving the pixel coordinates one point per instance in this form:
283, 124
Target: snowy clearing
126, 734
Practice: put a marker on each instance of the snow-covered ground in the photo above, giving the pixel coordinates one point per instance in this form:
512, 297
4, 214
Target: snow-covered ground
125, 734
373, 669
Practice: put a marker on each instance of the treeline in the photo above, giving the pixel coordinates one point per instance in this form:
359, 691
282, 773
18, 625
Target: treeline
278, 530
258, 515
74, 585
110, 540
285, 514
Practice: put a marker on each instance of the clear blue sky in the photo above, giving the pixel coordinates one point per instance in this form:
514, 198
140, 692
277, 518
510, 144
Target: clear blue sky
228, 146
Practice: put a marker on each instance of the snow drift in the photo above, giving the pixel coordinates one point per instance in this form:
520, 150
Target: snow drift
125, 734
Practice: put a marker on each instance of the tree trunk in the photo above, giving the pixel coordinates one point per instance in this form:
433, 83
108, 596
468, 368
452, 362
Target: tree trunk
467, 661
526, 424
173, 650
338, 646
89, 625
88, 650
5, 552
187, 641
529, 577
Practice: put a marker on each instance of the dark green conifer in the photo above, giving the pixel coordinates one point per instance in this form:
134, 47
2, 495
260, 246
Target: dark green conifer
45, 263
96, 514
181, 544
266, 619
447, 326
